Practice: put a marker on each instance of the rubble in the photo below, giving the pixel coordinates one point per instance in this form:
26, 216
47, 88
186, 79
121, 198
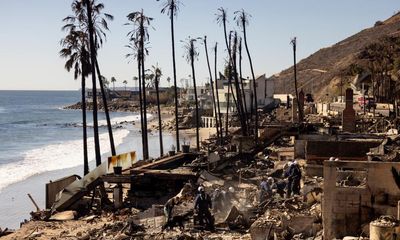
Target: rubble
360, 183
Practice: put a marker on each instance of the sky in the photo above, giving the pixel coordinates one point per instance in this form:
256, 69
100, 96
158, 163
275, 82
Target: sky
31, 32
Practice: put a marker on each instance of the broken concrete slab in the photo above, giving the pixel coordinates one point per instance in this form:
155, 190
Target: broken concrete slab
209, 180
262, 229
64, 216
299, 224
232, 215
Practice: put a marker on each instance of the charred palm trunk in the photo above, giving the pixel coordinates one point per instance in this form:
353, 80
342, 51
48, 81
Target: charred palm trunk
146, 153
251, 104
231, 73
93, 71
109, 126
238, 90
84, 126
295, 80
196, 100
216, 91
254, 83
228, 98
227, 108
212, 88
241, 79
141, 103
159, 115
174, 70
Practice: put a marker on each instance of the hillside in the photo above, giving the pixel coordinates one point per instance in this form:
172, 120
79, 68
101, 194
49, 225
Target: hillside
323, 69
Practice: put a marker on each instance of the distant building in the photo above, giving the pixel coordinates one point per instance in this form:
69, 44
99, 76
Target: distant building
265, 90
265, 93
201, 90
283, 97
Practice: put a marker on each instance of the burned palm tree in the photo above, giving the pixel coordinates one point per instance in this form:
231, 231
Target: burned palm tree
74, 49
222, 20
212, 88
88, 15
239, 99
171, 8
106, 111
92, 48
241, 76
135, 54
216, 89
157, 75
294, 43
242, 20
191, 54
141, 23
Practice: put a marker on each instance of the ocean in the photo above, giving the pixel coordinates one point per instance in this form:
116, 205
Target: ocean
40, 141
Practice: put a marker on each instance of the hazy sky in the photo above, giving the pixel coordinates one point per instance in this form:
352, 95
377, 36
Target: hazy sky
31, 31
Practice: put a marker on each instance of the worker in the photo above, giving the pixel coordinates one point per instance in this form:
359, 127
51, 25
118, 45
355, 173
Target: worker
279, 187
266, 188
169, 206
294, 177
268, 162
286, 172
297, 178
202, 204
218, 200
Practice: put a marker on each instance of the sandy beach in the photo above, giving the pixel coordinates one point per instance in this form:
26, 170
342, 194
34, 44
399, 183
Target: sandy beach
17, 206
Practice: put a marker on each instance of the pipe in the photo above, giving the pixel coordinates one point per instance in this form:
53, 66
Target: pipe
34, 203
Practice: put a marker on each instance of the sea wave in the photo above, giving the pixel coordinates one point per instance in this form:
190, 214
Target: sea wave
121, 120
54, 157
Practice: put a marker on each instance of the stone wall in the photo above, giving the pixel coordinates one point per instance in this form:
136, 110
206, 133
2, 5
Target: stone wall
346, 209
318, 151
344, 150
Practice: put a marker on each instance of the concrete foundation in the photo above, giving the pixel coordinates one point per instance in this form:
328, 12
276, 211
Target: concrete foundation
346, 209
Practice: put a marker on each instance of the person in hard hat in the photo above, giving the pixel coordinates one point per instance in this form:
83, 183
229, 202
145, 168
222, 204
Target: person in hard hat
266, 189
217, 200
294, 177
168, 207
230, 195
202, 204
279, 187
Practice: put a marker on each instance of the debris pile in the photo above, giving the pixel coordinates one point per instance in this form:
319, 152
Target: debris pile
236, 189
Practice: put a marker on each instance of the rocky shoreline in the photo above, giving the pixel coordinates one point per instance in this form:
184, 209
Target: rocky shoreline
113, 106
167, 113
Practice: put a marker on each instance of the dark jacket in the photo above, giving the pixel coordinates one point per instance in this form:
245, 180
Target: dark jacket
202, 202
294, 172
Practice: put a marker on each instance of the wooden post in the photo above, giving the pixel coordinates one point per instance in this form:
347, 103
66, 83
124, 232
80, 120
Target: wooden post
398, 210
34, 203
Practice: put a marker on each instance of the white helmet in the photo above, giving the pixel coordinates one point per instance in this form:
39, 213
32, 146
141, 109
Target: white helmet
231, 189
331, 159
270, 179
201, 189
